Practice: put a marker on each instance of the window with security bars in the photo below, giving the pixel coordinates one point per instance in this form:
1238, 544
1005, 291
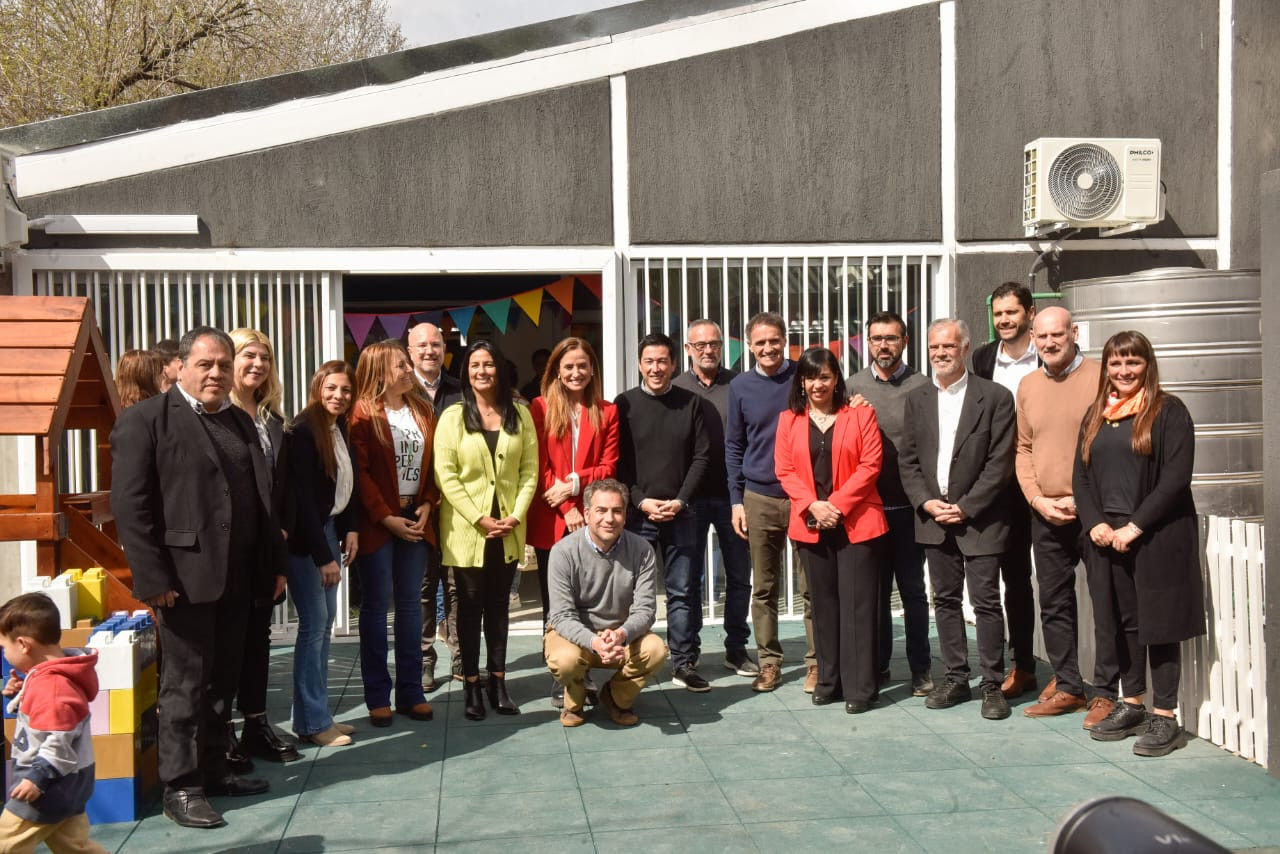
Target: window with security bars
135, 309
825, 299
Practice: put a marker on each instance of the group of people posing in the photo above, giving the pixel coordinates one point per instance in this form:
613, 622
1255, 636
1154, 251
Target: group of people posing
420, 480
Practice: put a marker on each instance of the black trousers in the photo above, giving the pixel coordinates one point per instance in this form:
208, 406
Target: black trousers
949, 571
544, 559
1058, 549
484, 600
1121, 660
1015, 570
251, 696
435, 578
844, 590
203, 647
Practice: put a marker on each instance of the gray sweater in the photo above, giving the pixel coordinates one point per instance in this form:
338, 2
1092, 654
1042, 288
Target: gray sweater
889, 397
591, 592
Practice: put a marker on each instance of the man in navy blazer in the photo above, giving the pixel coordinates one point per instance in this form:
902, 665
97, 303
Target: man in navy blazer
956, 462
191, 499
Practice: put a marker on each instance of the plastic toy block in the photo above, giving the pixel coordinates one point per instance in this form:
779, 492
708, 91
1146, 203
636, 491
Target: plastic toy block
114, 800
62, 591
77, 638
92, 593
119, 659
10, 724
5, 669
100, 714
116, 756
128, 704
148, 772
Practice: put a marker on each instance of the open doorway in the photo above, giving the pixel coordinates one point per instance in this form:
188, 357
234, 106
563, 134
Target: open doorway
520, 313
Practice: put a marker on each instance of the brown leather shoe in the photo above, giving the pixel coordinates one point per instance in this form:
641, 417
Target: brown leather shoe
1017, 683
769, 679
380, 716
811, 679
572, 717
617, 714
1099, 708
1060, 703
1049, 690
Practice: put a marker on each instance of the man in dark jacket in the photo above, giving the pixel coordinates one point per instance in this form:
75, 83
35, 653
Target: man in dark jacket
191, 498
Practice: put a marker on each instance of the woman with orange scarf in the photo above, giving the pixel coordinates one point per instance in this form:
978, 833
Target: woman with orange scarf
1132, 485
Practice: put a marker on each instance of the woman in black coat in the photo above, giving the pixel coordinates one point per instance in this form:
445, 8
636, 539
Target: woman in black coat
1132, 484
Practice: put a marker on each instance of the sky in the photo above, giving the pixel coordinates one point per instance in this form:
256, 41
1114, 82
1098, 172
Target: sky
431, 21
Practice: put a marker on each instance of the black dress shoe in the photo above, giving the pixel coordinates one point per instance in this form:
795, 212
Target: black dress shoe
237, 760
473, 701
499, 699
856, 707
190, 808
234, 785
260, 739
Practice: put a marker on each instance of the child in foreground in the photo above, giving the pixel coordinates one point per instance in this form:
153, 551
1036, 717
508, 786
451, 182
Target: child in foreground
52, 748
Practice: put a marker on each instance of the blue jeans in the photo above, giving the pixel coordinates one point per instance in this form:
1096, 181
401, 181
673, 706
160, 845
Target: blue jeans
393, 573
316, 607
903, 561
718, 513
674, 541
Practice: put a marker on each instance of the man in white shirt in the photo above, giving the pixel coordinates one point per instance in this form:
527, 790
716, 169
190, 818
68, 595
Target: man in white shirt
1006, 361
956, 462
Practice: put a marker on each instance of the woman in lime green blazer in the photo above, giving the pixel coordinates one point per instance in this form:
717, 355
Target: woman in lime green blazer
486, 465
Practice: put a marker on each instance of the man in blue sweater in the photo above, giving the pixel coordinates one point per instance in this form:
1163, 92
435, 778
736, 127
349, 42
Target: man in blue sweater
761, 509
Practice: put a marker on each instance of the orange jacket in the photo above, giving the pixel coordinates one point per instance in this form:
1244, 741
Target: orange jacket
855, 463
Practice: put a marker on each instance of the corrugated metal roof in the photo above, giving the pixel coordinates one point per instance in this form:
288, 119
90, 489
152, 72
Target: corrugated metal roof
388, 68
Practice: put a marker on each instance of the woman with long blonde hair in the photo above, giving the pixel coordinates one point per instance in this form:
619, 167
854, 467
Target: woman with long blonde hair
1132, 487
392, 429
256, 388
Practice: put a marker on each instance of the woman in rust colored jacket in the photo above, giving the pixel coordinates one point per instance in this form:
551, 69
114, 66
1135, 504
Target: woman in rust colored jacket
827, 457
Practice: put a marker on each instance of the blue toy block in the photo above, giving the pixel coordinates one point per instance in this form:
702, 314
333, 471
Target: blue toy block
113, 800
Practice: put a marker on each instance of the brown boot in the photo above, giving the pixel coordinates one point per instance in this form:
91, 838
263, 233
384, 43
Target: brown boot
1060, 703
769, 679
1099, 708
811, 679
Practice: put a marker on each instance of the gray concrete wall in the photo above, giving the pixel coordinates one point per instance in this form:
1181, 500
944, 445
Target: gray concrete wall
1255, 140
828, 135
1033, 68
532, 171
978, 275
1270, 225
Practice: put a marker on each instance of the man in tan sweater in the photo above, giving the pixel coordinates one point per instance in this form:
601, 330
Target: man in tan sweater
1051, 403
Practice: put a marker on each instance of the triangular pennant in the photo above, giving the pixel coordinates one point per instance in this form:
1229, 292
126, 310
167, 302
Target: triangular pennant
594, 283
435, 318
562, 292
394, 324
735, 351
360, 324
462, 318
499, 312
530, 303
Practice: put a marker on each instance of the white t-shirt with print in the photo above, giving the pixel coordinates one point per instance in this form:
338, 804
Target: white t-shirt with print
407, 440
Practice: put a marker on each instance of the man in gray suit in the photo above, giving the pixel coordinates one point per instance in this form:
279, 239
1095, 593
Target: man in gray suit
956, 461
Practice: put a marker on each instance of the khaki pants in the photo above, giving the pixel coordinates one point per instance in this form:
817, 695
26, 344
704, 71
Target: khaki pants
569, 662
19, 836
767, 519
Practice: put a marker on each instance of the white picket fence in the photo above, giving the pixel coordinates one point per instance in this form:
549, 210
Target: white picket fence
1223, 693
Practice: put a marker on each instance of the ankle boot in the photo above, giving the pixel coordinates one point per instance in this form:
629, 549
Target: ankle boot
261, 740
237, 760
499, 699
473, 701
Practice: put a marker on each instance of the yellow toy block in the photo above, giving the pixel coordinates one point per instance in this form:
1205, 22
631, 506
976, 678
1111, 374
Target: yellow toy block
92, 593
128, 704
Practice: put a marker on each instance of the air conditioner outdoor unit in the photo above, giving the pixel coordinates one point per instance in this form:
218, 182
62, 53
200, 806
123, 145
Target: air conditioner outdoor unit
13, 222
1111, 184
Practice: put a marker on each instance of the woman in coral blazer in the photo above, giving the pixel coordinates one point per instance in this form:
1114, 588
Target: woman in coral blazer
827, 457
486, 464
577, 444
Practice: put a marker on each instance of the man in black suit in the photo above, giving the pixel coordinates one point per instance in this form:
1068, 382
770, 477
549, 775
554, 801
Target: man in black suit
426, 351
1006, 361
191, 497
956, 461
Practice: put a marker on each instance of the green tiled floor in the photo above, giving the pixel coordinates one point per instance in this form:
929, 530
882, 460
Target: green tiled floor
724, 771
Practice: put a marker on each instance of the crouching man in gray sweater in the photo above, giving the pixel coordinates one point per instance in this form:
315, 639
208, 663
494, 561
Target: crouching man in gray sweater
603, 602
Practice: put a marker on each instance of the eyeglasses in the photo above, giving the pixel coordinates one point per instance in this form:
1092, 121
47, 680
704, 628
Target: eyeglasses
703, 346
884, 339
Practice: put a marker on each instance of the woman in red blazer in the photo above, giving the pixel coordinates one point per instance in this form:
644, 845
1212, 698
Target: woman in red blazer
391, 431
577, 444
827, 457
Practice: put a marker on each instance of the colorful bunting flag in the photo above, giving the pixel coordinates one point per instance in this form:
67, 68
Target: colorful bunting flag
360, 324
594, 283
530, 303
735, 351
394, 324
562, 292
499, 312
462, 318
